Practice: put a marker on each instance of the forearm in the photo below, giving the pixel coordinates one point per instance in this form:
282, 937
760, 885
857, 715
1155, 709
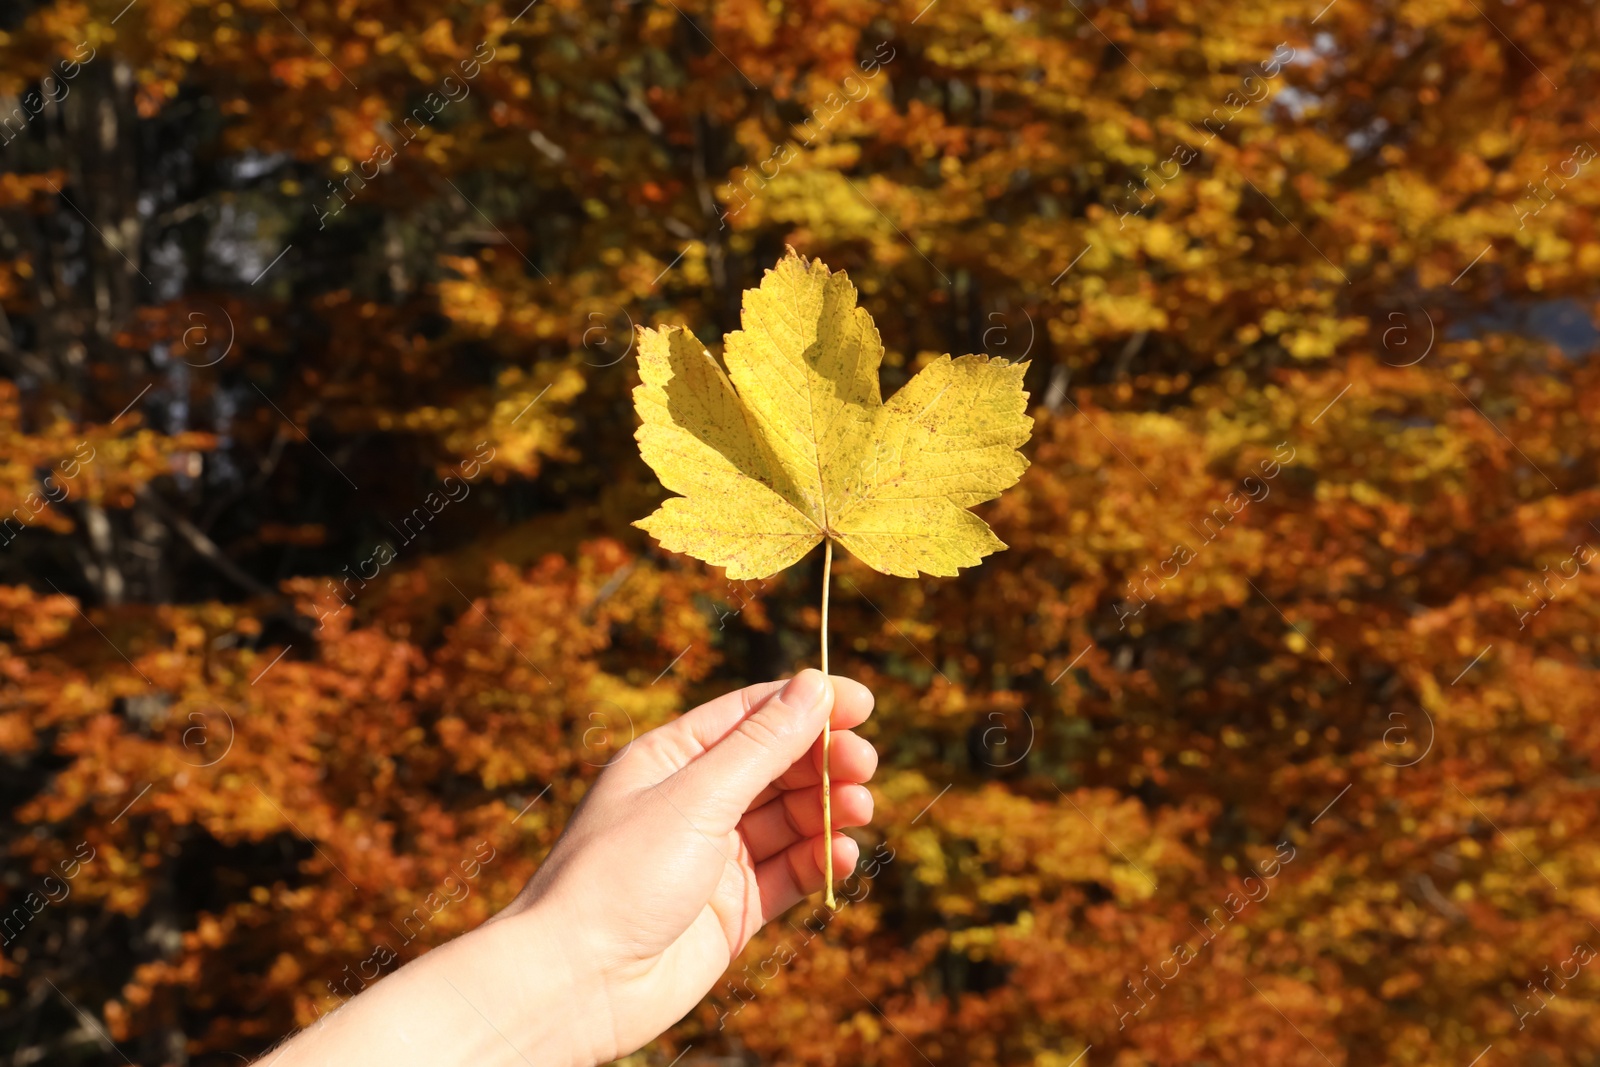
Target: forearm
504, 994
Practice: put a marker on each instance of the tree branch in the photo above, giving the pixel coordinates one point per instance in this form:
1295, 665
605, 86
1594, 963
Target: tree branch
204, 546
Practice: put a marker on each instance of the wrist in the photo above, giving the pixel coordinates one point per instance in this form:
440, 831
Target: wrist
526, 972
508, 994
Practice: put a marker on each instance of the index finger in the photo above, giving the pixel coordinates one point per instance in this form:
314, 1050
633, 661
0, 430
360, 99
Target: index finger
680, 742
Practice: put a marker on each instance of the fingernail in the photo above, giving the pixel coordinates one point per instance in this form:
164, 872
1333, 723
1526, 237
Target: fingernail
806, 690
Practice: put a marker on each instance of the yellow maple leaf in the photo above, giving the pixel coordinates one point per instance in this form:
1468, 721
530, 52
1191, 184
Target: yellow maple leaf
793, 445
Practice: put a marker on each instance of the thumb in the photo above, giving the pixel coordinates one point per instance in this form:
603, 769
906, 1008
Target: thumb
721, 785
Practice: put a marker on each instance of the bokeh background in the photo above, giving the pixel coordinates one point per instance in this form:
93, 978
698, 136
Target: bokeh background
1271, 739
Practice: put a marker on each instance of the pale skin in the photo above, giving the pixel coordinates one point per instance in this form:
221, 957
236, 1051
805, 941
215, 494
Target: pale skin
700, 833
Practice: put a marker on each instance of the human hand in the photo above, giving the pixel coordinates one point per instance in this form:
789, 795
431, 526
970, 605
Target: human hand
697, 835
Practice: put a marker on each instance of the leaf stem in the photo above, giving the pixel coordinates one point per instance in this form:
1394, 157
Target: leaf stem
827, 798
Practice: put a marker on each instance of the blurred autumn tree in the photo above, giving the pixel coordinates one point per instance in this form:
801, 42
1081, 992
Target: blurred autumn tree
317, 465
